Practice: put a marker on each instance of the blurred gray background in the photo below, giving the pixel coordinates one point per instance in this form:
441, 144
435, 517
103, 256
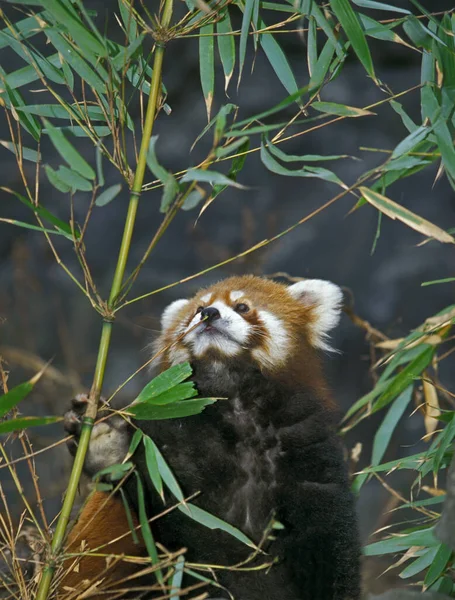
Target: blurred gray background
44, 317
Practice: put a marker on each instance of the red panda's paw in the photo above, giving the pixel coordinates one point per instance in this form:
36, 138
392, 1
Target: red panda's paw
109, 440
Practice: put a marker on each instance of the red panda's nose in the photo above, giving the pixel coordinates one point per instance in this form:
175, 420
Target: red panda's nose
210, 313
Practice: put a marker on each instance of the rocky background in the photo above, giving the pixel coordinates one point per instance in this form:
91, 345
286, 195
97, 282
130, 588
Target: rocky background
44, 317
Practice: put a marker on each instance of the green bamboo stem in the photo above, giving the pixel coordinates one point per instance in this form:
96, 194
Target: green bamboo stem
89, 418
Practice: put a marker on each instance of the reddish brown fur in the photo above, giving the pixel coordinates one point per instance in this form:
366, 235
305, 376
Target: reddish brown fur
102, 520
303, 365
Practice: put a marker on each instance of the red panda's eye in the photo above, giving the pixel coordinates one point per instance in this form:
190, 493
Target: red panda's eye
199, 309
242, 308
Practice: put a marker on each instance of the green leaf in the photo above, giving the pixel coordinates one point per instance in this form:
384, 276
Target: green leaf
26, 422
135, 441
99, 166
165, 381
68, 152
207, 65
152, 465
278, 60
388, 425
61, 226
340, 109
380, 6
444, 440
421, 563
311, 8
126, 506
75, 60
182, 391
441, 130
396, 211
167, 475
171, 187
128, 18
192, 200
407, 121
212, 522
438, 565
176, 581
73, 179
55, 180
32, 227
322, 66
411, 141
29, 122
211, 177
108, 194
404, 378
422, 537
230, 148
25, 153
226, 47
68, 111
246, 20
115, 472
435, 281
146, 529
350, 23
176, 410
9, 400
80, 33
272, 165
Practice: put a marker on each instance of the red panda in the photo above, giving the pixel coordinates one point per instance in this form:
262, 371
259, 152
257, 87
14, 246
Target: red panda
269, 450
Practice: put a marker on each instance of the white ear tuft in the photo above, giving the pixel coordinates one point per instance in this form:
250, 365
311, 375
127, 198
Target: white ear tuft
327, 299
169, 313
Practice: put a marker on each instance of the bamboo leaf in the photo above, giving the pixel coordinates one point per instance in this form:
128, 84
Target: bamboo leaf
108, 195
73, 179
380, 6
25, 153
421, 563
246, 20
171, 187
207, 65
211, 177
278, 60
33, 227
67, 151
26, 422
272, 165
56, 181
438, 565
165, 381
396, 211
63, 227
12, 398
423, 537
176, 581
332, 108
146, 529
152, 465
384, 433
212, 522
226, 47
176, 410
350, 23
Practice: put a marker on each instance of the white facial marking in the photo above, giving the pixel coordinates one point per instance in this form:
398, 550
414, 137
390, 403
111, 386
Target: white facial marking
170, 313
228, 334
206, 298
327, 299
277, 342
236, 295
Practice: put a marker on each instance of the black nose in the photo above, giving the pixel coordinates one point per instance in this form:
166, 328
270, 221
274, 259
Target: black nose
210, 313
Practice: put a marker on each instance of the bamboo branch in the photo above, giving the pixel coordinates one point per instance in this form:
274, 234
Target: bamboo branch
95, 392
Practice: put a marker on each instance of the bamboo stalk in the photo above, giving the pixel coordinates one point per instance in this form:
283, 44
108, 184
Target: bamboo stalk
95, 392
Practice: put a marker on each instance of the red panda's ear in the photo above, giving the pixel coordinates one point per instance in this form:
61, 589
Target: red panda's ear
169, 314
327, 300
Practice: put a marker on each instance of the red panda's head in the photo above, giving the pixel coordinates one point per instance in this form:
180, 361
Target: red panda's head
251, 318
